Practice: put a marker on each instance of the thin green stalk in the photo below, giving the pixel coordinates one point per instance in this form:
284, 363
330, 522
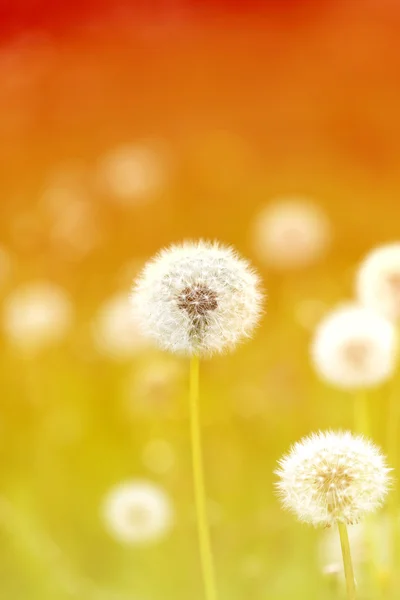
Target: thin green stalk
198, 481
347, 562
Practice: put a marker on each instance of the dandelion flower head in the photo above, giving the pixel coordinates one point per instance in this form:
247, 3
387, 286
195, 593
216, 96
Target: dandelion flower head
354, 347
332, 477
137, 512
378, 280
198, 298
291, 233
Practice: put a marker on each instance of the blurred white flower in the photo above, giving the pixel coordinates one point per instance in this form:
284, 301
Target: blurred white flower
137, 512
158, 456
197, 298
36, 315
333, 477
354, 347
378, 280
115, 329
291, 233
134, 173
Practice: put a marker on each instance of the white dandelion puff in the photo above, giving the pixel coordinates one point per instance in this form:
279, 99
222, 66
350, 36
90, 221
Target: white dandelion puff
116, 330
36, 315
137, 512
354, 347
291, 233
332, 477
378, 280
197, 298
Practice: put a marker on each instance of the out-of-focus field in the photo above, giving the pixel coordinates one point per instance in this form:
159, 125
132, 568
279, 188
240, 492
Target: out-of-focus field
223, 109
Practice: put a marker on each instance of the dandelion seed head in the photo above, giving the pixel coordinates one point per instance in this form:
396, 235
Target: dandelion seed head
378, 280
197, 298
36, 315
354, 347
137, 512
333, 477
291, 233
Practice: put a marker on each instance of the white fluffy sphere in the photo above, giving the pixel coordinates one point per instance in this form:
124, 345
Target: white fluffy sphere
197, 298
36, 315
354, 347
378, 280
291, 233
330, 477
137, 512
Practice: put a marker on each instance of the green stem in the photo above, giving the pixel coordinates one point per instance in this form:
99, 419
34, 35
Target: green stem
198, 481
347, 563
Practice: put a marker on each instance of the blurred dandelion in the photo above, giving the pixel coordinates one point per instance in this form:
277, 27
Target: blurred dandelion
378, 280
134, 173
378, 287
333, 478
116, 329
354, 347
36, 315
290, 233
137, 512
197, 299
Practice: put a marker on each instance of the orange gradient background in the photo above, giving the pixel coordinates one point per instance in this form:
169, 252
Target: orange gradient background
247, 101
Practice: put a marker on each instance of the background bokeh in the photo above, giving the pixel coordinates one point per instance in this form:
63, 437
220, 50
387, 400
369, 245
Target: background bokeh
222, 106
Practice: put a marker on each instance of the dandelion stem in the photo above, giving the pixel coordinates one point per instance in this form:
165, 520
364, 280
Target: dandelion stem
347, 562
199, 488
361, 417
